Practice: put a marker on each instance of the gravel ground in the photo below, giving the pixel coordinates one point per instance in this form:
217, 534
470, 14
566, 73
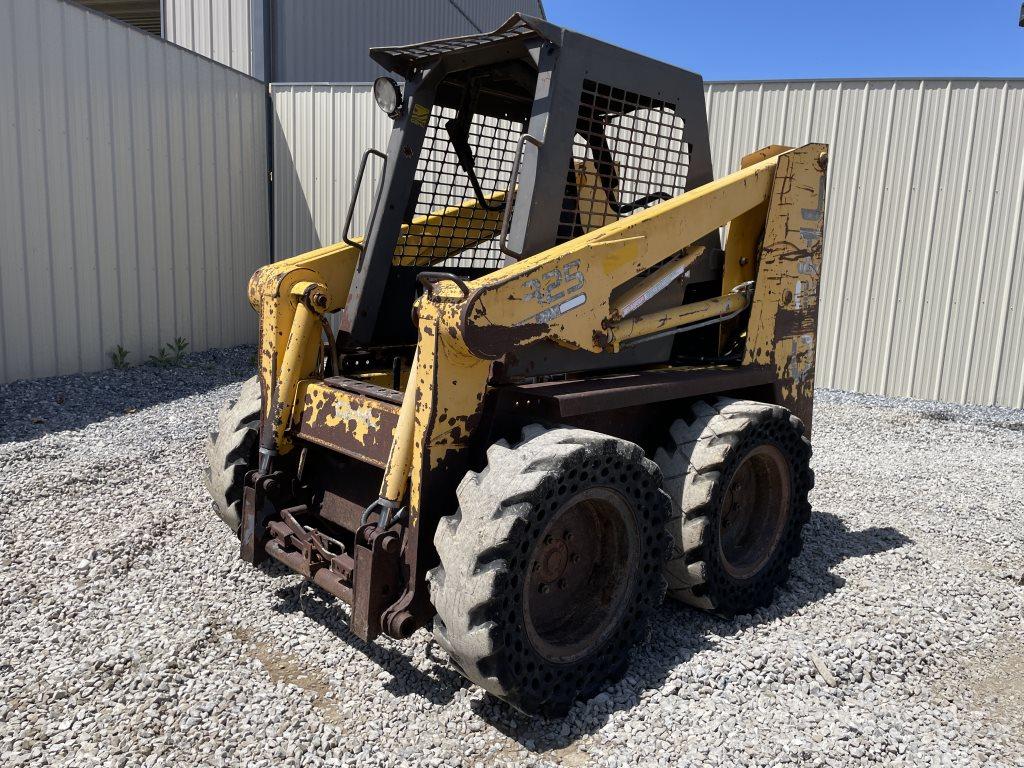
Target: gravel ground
132, 634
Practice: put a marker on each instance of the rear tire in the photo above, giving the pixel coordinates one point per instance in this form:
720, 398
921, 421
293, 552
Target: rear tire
551, 566
232, 450
738, 474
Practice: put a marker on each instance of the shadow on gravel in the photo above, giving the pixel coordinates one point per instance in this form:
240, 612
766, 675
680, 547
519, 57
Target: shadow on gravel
438, 686
31, 409
680, 632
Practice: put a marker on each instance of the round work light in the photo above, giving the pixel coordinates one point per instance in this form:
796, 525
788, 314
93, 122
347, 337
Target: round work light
388, 96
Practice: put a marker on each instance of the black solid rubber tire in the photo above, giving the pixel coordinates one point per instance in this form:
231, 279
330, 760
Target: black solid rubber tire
486, 547
707, 449
232, 449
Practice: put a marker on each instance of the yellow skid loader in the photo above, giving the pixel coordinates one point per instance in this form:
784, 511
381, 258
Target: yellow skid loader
539, 391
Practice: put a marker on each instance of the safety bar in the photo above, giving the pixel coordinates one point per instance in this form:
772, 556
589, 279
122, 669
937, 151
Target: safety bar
429, 279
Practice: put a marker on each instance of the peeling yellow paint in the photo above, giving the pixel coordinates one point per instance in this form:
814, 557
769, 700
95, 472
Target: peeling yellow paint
782, 330
272, 294
352, 423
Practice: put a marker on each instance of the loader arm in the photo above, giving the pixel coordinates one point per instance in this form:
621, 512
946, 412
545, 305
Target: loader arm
565, 294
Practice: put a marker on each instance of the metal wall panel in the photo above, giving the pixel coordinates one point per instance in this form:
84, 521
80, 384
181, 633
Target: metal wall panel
327, 40
923, 275
133, 206
923, 279
228, 31
320, 133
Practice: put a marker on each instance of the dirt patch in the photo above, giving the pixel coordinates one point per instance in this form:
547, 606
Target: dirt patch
290, 669
999, 690
938, 415
570, 756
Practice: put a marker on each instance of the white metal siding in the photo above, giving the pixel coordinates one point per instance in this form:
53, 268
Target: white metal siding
228, 31
320, 134
923, 279
324, 40
923, 276
133, 202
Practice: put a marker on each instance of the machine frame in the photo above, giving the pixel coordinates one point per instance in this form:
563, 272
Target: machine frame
364, 440
464, 326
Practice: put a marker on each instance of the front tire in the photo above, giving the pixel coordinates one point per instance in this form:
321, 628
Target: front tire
551, 566
232, 450
738, 473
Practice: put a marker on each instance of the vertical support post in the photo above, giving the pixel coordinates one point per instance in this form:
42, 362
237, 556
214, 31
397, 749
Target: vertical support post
783, 326
299, 358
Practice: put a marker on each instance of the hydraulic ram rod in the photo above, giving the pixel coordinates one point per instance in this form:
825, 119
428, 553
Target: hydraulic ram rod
392, 488
677, 317
655, 283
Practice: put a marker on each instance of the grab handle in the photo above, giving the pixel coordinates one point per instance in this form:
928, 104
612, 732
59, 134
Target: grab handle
510, 195
355, 196
429, 279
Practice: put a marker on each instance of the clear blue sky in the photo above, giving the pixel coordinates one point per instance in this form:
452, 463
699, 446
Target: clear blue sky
784, 39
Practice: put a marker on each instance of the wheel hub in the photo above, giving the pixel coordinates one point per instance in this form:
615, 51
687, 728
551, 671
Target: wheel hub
581, 570
755, 510
552, 560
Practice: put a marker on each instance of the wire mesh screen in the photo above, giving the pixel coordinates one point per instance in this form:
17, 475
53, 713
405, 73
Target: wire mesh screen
628, 154
465, 235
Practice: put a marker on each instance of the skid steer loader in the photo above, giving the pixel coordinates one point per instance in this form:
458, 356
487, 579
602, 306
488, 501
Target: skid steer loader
552, 392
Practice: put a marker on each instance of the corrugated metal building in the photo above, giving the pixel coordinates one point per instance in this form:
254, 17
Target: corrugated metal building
326, 40
319, 135
133, 205
923, 283
924, 271
143, 14
228, 31
323, 40
924, 262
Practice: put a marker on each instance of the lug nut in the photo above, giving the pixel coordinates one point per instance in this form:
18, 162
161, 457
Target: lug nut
561, 583
548, 539
567, 535
536, 566
544, 588
574, 557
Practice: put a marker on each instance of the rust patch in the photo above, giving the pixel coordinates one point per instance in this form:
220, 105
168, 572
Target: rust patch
490, 342
782, 330
353, 424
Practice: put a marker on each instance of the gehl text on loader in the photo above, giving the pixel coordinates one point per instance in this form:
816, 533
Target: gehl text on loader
553, 393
